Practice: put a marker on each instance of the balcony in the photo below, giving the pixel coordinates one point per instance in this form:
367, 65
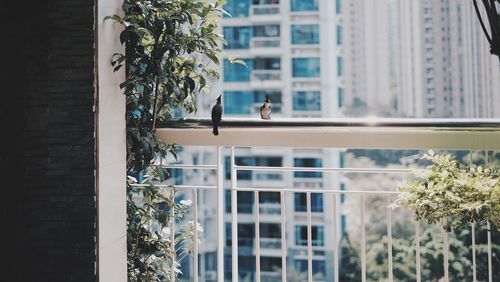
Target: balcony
265, 46
479, 136
265, 13
263, 78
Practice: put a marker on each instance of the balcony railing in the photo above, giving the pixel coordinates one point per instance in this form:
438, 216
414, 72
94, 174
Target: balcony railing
448, 134
265, 10
265, 42
265, 75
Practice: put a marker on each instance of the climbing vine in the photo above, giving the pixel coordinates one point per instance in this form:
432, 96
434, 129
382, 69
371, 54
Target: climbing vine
172, 48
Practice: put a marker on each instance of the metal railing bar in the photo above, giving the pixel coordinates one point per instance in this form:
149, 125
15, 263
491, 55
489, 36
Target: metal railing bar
257, 237
220, 215
473, 233
180, 187
488, 226
335, 239
445, 253
234, 220
389, 239
326, 169
309, 238
490, 255
195, 239
172, 242
304, 190
473, 237
417, 249
283, 237
363, 240
187, 166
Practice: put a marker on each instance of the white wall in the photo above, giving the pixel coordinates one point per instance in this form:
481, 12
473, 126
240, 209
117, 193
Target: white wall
111, 151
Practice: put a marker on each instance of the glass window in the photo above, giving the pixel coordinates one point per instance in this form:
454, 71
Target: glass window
237, 72
307, 101
305, 34
265, 2
305, 67
270, 230
238, 102
340, 97
304, 5
269, 197
237, 37
308, 162
317, 236
266, 31
339, 35
246, 234
267, 64
338, 6
269, 264
340, 66
237, 8
301, 202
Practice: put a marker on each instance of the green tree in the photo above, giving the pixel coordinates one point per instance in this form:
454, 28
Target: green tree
171, 49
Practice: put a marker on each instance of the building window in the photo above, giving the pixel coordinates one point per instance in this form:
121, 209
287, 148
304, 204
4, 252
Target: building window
305, 34
237, 72
338, 6
244, 200
266, 31
318, 266
307, 101
238, 102
267, 64
307, 162
304, 5
301, 202
305, 67
340, 97
237, 37
340, 66
339, 35
255, 161
246, 234
270, 264
270, 230
237, 8
316, 235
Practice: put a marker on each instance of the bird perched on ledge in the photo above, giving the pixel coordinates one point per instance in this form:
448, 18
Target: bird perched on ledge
265, 109
217, 116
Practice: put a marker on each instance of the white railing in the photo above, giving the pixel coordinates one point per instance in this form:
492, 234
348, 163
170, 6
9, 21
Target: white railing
479, 135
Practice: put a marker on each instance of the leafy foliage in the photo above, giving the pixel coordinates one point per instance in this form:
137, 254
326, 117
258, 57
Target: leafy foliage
453, 193
172, 48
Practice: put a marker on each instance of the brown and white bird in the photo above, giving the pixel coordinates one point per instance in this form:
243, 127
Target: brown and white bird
265, 109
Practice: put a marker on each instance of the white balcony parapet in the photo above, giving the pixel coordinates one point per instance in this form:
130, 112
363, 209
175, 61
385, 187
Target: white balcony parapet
452, 134
359, 133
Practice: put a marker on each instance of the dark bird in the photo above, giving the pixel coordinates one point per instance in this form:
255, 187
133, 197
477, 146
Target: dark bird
216, 116
265, 109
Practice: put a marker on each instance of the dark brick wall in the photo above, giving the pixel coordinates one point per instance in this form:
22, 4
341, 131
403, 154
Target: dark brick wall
48, 203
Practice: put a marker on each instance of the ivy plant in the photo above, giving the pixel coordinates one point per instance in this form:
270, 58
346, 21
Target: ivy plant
450, 192
172, 48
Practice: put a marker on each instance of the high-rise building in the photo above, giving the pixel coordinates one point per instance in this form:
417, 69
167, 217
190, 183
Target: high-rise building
364, 40
290, 51
445, 67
